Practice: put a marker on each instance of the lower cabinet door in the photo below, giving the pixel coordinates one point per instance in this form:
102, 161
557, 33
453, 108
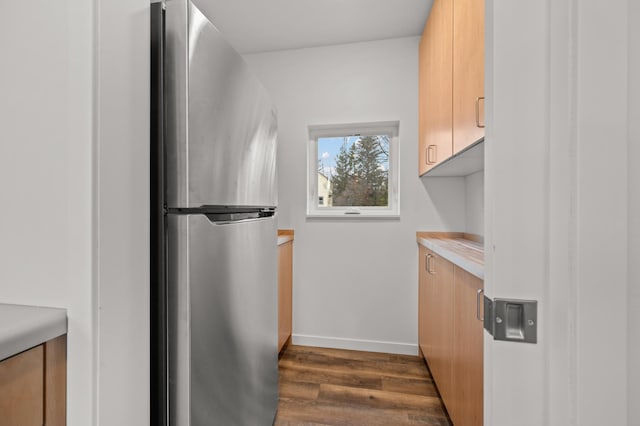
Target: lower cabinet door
442, 370
468, 351
285, 293
55, 381
435, 321
22, 389
423, 322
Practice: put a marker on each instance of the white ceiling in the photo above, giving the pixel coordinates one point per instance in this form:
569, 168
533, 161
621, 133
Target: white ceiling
253, 26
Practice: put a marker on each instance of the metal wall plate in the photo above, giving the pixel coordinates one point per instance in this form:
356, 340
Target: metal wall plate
511, 319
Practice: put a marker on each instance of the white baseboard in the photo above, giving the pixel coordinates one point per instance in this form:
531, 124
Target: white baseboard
355, 344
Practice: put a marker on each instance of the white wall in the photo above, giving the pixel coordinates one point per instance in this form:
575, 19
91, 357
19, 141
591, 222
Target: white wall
122, 211
369, 299
46, 122
634, 213
602, 211
74, 185
474, 203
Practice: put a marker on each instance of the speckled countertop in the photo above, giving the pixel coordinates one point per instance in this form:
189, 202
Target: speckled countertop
457, 248
23, 327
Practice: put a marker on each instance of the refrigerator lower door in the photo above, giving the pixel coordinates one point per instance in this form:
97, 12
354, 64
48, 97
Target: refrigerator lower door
222, 325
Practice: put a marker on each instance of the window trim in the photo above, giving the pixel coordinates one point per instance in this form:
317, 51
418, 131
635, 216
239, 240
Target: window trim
391, 128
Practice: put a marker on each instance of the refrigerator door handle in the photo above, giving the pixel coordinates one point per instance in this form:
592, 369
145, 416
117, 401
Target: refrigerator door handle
223, 218
235, 221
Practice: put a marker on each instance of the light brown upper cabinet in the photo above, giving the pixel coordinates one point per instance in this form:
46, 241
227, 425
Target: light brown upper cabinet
435, 91
468, 73
451, 80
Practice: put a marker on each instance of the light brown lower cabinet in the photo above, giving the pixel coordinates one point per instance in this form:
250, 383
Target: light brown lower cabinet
285, 293
22, 389
33, 386
450, 336
467, 349
424, 334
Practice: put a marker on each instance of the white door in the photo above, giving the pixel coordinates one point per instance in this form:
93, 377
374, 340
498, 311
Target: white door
557, 209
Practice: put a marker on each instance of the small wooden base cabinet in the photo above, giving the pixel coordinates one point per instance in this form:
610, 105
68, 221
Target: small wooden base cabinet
285, 288
33, 386
450, 336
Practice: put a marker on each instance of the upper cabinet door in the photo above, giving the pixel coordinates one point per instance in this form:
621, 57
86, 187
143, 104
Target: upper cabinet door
468, 72
435, 105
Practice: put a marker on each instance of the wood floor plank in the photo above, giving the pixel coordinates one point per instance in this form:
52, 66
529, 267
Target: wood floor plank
372, 398
333, 387
354, 355
411, 386
325, 413
300, 373
299, 390
350, 364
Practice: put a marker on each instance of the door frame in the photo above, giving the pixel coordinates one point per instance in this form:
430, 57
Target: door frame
556, 208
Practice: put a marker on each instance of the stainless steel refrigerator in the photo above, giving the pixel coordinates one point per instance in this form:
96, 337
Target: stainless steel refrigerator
213, 239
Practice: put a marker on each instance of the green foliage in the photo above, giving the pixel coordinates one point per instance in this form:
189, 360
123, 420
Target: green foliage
360, 179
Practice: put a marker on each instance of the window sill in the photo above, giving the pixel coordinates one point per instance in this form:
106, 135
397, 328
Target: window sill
351, 216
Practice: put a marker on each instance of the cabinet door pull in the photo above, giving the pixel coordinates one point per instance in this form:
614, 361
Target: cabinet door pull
426, 262
481, 126
432, 154
478, 299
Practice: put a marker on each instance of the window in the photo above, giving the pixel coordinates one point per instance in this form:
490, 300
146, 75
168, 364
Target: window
353, 170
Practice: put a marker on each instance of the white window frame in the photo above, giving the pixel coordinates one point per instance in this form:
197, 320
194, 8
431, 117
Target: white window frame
390, 128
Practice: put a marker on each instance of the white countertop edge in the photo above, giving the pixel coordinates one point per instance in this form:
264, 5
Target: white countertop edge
282, 239
469, 266
23, 327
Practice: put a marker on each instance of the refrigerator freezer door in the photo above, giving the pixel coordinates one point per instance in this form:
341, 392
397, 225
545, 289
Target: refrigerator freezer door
223, 356
221, 124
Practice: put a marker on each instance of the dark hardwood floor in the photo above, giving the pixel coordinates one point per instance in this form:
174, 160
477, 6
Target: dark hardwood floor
337, 387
